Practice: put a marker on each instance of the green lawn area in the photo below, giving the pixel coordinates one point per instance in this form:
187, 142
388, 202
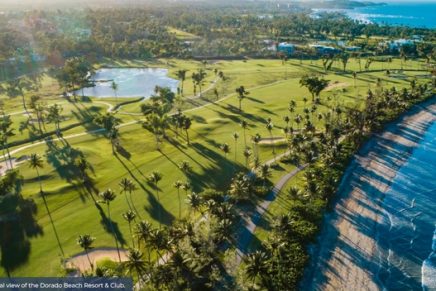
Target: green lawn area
271, 86
183, 35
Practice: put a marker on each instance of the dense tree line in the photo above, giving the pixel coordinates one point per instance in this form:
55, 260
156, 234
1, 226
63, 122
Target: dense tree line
145, 32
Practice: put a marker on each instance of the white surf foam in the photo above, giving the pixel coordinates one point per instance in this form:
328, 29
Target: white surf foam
428, 269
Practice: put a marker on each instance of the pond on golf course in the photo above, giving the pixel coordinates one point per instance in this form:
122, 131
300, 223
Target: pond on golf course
131, 82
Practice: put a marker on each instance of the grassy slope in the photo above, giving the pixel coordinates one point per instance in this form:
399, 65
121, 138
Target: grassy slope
73, 209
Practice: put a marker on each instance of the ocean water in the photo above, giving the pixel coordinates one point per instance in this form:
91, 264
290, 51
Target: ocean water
413, 13
132, 82
406, 235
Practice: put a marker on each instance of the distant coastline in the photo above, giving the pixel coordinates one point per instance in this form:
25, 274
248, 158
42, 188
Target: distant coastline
411, 14
341, 4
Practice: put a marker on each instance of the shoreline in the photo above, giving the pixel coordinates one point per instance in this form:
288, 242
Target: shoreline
347, 259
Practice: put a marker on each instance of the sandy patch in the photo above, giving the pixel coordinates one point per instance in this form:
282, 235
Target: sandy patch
6, 164
336, 86
81, 262
273, 140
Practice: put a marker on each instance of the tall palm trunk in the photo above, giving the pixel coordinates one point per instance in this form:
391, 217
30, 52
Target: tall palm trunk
133, 205
23, 99
187, 136
89, 260
49, 214
160, 206
131, 234
127, 200
274, 148
236, 150
9, 156
180, 203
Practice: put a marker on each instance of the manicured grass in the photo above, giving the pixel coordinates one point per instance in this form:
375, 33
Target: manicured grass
72, 207
183, 35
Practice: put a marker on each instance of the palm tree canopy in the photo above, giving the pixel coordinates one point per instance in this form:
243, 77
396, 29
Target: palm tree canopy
256, 138
85, 241
125, 184
129, 216
194, 200
107, 196
154, 177
143, 229
256, 264
244, 124
135, 262
178, 184
35, 161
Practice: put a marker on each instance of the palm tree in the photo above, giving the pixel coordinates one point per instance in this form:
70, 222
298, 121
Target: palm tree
235, 137
269, 127
187, 122
294, 192
114, 87
186, 187
185, 167
198, 79
5, 132
35, 162
179, 184
286, 119
241, 186
132, 188
135, 263
244, 125
107, 197
225, 148
256, 139
264, 172
85, 242
55, 115
241, 95
130, 216
113, 135
181, 74
154, 178
194, 201
247, 155
143, 231
256, 265
159, 240
126, 186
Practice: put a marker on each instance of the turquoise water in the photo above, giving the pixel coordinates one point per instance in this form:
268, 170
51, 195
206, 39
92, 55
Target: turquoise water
413, 13
132, 82
407, 233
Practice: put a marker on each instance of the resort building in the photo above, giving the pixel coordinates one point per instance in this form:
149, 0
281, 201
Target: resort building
286, 48
395, 45
322, 49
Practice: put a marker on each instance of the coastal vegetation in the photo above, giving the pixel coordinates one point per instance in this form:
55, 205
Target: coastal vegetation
246, 128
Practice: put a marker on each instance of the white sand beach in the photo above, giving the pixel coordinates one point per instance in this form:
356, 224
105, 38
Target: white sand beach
346, 256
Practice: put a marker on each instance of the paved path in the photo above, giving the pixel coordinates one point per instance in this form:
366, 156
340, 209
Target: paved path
246, 231
34, 144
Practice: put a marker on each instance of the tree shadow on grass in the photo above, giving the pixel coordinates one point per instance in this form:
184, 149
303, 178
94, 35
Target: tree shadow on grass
16, 228
86, 116
155, 206
111, 227
63, 159
220, 164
